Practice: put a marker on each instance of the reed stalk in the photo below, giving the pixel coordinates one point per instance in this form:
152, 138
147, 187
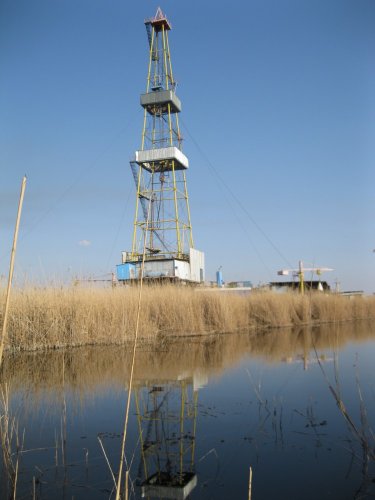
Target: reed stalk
9, 438
136, 333
11, 269
250, 481
366, 440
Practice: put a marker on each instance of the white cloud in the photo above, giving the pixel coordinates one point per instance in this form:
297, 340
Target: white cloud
84, 243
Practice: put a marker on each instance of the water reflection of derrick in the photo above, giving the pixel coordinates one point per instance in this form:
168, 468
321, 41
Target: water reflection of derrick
167, 419
308, 346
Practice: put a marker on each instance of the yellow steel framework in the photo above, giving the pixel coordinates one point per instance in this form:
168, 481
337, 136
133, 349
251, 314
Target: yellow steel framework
167, 414
161, 183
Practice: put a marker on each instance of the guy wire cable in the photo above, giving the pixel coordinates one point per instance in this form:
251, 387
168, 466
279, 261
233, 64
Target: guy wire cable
119, 228
239, 203
68, 188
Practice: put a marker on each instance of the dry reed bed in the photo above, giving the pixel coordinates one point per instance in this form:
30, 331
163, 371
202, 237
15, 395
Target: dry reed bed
55, 318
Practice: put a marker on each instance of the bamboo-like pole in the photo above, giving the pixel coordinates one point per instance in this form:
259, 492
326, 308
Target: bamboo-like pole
250, 481
118, 489
11, 268
126, 485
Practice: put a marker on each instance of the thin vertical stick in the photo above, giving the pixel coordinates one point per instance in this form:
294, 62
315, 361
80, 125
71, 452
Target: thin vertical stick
126, 485
250, 480
11, 268
118, 490
108, 463
15, 481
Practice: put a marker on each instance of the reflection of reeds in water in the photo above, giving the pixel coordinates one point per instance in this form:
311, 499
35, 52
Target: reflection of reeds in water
97, 367
10, 445
361, 431
53, 318
81, 371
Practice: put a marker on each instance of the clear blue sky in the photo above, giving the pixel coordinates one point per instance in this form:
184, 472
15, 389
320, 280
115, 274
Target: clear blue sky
278, 119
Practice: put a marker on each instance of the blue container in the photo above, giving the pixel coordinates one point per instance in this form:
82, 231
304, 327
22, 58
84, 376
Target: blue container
125, 271
219, 279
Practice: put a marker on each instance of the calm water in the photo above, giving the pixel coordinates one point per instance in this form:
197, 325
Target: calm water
207, 408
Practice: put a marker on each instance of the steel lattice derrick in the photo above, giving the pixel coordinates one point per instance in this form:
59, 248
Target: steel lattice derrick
159, 167
166, 414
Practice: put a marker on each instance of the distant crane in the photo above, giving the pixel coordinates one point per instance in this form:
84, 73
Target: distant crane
300, 273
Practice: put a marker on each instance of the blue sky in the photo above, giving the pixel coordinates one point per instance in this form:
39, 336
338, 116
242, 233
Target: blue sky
278, 119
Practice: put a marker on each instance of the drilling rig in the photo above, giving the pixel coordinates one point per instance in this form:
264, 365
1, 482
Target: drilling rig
162, 245
167, 419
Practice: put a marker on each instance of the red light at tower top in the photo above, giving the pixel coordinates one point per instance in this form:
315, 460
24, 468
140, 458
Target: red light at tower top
159, 21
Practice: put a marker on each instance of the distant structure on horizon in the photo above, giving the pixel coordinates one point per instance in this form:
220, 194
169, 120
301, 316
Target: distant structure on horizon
162, 232
300, 274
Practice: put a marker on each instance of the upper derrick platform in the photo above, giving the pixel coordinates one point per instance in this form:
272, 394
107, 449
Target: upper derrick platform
157, 102
159, 21
162, 159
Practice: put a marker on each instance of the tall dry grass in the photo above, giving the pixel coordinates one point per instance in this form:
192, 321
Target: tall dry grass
55, 318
